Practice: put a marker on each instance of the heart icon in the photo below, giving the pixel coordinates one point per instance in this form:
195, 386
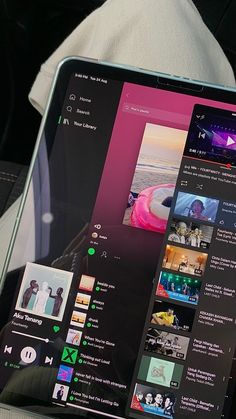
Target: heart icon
56, 329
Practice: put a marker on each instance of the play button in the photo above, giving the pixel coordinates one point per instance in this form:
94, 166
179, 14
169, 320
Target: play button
230, 141
28, 355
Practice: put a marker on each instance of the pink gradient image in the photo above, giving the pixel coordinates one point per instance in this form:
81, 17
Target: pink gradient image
139, 105
154, 178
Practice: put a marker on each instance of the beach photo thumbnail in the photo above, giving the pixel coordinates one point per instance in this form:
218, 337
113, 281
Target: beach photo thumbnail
152, 189
60, 392
160, 372
82, 300
190, 233
178, 287
44, 291
74, 337
153, 400
78, 318
169, 344
184, 260
195, 206
172, 315
86, 283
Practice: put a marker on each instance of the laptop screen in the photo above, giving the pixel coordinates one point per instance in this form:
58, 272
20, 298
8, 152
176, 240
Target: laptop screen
121, 278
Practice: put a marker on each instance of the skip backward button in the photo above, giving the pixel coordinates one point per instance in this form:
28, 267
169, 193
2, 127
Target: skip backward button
7, 349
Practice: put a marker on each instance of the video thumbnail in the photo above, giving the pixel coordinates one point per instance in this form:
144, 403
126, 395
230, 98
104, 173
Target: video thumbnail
86, 283
197, 207
82, 300
60, 392
224, 139
160, 372
173, 316
154, 401
78, 318
74, 337
178, 287
184, 260
44, 291
190, 233
212, 135
164, 343
152, 189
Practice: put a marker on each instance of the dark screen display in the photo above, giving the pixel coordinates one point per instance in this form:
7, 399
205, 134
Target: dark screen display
121, 279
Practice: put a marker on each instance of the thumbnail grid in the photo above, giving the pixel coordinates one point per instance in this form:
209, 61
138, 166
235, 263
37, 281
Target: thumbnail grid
74, 337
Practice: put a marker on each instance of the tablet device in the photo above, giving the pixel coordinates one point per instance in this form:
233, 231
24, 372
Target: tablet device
118, 292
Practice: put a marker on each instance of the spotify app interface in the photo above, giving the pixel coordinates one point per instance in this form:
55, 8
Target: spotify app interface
125, 284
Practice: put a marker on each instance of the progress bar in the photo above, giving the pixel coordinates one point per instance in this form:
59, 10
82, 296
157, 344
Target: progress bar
30, 336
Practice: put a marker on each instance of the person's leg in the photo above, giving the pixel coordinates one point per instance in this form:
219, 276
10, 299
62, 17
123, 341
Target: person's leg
162, 35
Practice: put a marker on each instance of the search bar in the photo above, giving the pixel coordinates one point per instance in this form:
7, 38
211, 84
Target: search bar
159, 114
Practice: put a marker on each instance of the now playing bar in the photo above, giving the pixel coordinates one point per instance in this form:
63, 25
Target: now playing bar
25, 356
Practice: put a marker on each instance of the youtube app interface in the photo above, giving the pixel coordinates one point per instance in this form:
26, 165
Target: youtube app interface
125, 284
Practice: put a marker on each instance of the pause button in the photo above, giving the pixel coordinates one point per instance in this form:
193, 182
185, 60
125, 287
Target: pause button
28, 355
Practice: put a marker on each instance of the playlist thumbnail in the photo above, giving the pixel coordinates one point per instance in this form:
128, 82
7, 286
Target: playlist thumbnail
160, 372
178, 287
60, 392
44, 291
82, 300
197, 207
165, 343
184, 260
74, 337
65, 373
78, 318
152, 189
190, 233
86, 283
172, 316
155, 401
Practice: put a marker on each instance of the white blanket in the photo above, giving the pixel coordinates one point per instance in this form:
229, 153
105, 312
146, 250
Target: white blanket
163, 35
